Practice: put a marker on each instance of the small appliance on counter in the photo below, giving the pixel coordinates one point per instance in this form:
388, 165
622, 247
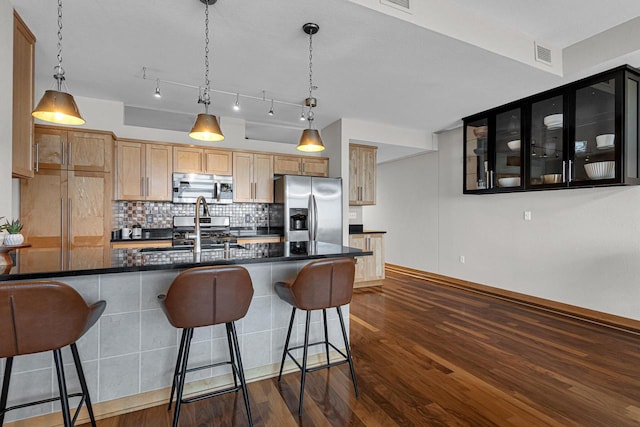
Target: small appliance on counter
214, 232
215, 188
312, 208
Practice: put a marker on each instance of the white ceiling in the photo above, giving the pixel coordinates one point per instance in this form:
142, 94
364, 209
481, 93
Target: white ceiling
367, 65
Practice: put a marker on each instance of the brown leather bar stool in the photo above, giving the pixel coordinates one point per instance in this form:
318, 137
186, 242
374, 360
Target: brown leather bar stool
319, 285
207, 296
45, 316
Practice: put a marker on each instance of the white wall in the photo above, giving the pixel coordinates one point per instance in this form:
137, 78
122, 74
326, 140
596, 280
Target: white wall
581, 248
6, 106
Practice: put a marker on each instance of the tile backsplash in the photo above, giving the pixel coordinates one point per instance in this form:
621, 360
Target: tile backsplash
160, 214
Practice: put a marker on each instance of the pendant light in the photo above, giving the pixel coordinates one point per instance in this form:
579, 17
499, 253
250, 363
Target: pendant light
206, 127
310, 140
57, 106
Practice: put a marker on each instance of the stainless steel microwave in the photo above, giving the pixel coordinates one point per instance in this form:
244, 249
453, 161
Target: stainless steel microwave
215, 188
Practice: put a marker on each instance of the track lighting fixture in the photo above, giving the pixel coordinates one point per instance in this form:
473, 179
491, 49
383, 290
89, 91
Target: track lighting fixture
236, 106
271, 109
206, 127
157, 93
57, 106
310, 140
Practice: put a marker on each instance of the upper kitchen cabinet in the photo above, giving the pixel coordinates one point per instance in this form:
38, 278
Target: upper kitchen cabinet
70, 149
493, 151
300, 165
23, 60
252, 177
202, 160
143, 171
362, 174
583, 134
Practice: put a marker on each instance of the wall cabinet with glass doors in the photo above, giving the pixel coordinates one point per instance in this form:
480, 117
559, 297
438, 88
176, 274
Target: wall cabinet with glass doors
584, 134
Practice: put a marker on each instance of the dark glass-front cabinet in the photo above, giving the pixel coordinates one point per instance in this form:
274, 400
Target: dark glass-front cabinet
584, 134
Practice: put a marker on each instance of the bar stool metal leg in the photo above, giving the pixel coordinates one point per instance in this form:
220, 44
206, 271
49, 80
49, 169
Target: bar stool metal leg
5, 388
304, 361
326, 334
243, 382
232, 359
286, 343
178, 362
181, 376
64, 400
83, 386
348, 350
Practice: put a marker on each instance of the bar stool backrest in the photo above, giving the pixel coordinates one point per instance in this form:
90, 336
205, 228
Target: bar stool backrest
325, 283
206, 296
42, 316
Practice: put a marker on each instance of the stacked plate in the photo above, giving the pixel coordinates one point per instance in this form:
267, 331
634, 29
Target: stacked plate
600, 170
554, 121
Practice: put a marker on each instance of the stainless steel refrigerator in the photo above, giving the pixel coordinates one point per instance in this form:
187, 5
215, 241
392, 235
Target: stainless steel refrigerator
312, 208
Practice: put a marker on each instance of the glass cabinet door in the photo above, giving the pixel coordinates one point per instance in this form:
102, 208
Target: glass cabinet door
508, 149
596, 145
476, 155
546, 153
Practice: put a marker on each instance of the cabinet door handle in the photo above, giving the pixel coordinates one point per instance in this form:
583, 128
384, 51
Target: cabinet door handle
69, 150
147, 192
564, 170
62, 155
62, 247
304, 169
37, 168
69, 225
142, 186
569, 171
490, 179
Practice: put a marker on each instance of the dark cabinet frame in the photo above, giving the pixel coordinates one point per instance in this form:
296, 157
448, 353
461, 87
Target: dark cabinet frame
626, 129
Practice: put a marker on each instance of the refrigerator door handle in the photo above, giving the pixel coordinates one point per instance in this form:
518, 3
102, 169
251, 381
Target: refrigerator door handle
310, 217
315, 219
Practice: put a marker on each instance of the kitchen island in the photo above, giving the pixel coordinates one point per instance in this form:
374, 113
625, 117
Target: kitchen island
129, 355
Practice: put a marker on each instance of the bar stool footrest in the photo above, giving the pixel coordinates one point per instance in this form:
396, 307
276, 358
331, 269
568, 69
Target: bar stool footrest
48, 400
317, 368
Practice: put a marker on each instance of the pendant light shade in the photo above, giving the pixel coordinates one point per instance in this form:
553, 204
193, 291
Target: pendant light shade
58, 107
310, 141
206, 128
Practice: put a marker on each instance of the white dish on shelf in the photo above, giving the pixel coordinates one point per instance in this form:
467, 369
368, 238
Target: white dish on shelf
554, 120
605, 140
605, 147
600, 170
514, 145
513, 181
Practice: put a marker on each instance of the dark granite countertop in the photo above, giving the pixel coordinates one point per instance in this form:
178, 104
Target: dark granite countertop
131, 260
368, 232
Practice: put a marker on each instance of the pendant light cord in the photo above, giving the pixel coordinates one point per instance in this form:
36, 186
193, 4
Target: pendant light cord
310, 64
59, 71
207, 98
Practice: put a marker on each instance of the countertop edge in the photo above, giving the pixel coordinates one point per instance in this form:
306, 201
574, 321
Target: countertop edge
368, 232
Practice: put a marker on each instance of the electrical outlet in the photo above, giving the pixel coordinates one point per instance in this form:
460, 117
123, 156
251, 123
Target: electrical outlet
462, 259
149, 219
353, 215
247, 218
527, 215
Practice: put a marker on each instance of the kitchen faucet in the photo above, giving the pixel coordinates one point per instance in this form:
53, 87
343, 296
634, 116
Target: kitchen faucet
197, 248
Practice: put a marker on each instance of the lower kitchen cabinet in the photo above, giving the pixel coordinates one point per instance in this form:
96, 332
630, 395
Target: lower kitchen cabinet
369, 269
67, 220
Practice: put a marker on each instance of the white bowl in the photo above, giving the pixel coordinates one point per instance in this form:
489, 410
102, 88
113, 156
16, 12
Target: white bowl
513, 181
514, 145
605, 141
554, 120
600, 170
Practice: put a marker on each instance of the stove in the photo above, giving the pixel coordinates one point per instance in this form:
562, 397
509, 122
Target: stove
214, 232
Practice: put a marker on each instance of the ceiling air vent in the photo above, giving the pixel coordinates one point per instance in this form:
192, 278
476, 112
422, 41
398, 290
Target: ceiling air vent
398, 4
543, 54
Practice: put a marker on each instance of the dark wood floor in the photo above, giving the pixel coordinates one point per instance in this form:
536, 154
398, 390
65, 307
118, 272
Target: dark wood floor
428, 355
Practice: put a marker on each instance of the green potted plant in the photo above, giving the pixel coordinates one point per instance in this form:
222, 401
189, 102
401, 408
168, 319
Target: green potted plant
14, 238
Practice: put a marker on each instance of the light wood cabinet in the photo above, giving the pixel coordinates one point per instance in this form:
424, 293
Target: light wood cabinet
67, 220
362, 174
300, 165
202, 160
62, 148
143, 171
369, 269
23, 62
248, 240
252, 177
